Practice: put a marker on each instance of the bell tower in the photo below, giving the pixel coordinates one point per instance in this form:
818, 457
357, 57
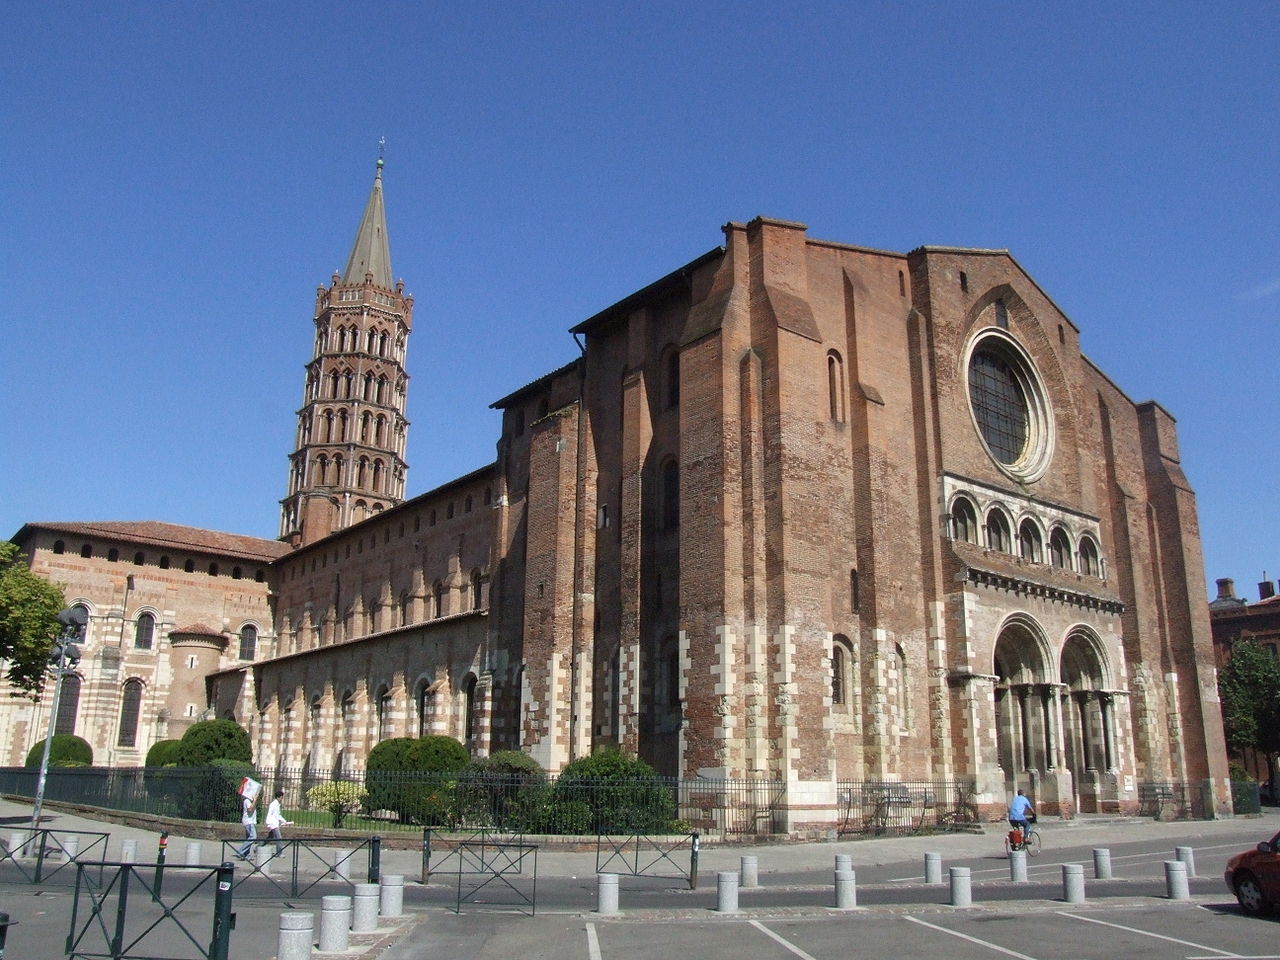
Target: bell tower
348, 462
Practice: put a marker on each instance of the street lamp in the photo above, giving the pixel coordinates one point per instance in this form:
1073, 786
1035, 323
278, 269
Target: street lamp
63, 657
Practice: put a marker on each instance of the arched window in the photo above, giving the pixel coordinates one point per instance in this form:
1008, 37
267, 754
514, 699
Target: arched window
381, 393
379, 429
370, 340
437, 598
113, 555
361, 467
338, 478
377, 476
1089, 563
59, 546
368, 382
382, 344
189, 567
130, 709
670, 495
164, 562
348, 385
1060, 549
213, 569
1030, 546
835, 386
139, 558
86, 551
964, 521
999, 536
326, 427
426, 709
333, 384
68, 704
385, 725
469, 706
900, 685
475, 589
322, 470
144, 631
248, 642
343, 424
366, 419
841, 673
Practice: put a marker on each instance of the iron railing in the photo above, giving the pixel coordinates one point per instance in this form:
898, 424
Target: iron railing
1175, 799
880, 808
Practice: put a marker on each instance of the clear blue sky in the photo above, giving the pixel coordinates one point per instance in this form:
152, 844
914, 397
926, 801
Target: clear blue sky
179, 177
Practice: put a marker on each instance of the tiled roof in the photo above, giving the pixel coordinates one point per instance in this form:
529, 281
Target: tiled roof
159, 534
197, 629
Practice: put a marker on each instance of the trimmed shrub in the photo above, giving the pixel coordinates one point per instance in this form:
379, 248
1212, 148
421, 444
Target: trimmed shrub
213, 791
413, 777
211, 740
507, 789
623, 793
163, 753
340, 797
67, 750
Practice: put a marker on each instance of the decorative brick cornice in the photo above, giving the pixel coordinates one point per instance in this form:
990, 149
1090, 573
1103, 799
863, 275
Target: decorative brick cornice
1031, 588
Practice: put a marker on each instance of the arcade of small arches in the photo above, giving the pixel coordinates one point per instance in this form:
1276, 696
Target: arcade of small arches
343, 384
331, 733
164, 562
996, 531
376, 342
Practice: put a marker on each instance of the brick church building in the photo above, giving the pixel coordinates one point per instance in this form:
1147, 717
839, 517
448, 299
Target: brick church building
799, 510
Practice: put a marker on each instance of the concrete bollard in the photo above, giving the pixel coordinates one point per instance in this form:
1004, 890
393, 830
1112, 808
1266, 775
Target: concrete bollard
263, 854
18, 844
750, 872
342, 864
961, 887
391, 895
1186, 855
335, 924
933, 868
1175, 880
70, 847
294, 940
1018, 866
364, 908
1101, 864
727, 892
607, 894
844, 861
1073, 882
128, 851
195, 853
846, 890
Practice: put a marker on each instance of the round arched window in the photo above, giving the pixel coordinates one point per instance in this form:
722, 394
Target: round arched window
1009, 406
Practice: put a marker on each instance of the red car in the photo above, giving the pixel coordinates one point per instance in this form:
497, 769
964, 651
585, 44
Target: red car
1254, 877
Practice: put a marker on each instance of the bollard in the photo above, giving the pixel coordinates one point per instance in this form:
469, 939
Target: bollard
961, 887
1073, 882
391, 895
846, 890
1186, 855
1102, 864
844, 861
750, 872
70, 847
342, 864
727, 892
161, 851
933, 868
607, 894
375, 859
4, 930
128, 851
695, 844
364, 908
1018, 866
1175, 880
294, 940
17, 845
335, 924
195, 853
263, 854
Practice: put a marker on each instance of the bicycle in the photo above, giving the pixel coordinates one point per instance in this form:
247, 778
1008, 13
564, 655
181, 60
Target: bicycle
1015, 839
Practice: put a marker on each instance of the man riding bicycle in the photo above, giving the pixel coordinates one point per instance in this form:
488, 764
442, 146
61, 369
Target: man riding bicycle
1019, 810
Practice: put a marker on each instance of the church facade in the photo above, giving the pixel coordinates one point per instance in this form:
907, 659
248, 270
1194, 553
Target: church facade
801, 511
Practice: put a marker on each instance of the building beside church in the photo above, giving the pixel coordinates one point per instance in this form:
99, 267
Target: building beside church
800, 510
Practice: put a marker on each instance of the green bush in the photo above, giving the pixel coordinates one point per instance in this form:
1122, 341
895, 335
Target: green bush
211, 740
67, 750
413, 777
623, 793
340, 797
507, 789
163, 753
213, 791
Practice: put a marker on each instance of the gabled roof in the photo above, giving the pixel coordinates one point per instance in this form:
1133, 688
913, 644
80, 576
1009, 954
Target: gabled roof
371, 253
174, 536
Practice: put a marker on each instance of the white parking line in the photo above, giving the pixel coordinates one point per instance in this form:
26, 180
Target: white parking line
1147, 933
593, 942
965, 936
782, 940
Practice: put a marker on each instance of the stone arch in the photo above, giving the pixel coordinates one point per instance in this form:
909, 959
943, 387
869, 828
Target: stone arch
1027, 739
1088, 716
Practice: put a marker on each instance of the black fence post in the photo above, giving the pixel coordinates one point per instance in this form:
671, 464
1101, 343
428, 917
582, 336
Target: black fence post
426, 854
41, 837
4, 931
693, 861
223, 919
160, 857
122, 910
375, 859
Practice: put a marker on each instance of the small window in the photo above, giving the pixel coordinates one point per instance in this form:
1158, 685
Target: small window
964, 281
431, 519
448, 513
964, 521
999, 535
59, 546
237, 573
144, 631
139, 559
248, 642
835, 386
164, 562
671, 374
189, 566
1002, 315
467, 504
476, 590
213, 569
841, 675
1089, 563
1060, 549
1030, 545
130, 708
902, 284
855, 592
602, 516
86, 551
488, 496
113, 555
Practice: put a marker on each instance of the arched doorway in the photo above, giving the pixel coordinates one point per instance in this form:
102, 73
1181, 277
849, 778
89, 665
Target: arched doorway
1088, 716
1027, 744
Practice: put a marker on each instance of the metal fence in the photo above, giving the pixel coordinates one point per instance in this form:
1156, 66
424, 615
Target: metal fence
894, 808
1176, 799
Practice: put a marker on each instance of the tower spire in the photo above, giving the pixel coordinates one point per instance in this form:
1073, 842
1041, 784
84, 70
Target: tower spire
371, 253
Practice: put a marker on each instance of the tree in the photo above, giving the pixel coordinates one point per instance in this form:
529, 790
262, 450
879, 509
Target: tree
28, 621
211, 740
66, 750
1249, 688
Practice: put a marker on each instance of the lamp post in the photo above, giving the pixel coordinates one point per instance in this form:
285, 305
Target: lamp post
63, 657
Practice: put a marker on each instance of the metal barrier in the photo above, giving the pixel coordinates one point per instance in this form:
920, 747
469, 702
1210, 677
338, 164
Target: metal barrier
496, 862
879, 808
33, 849
450, 846
648, 856
92, 935
303, 855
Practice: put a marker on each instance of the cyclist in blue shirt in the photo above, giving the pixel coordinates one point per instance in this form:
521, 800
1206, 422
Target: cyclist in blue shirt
1019, 807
